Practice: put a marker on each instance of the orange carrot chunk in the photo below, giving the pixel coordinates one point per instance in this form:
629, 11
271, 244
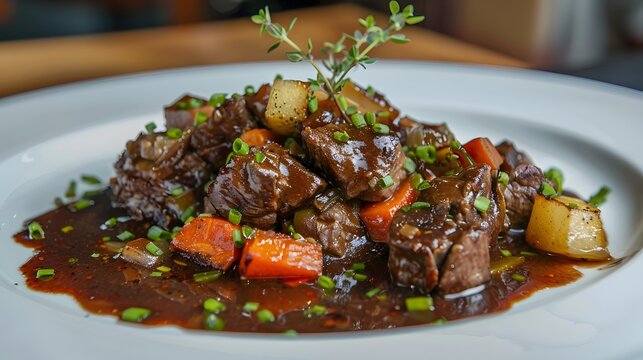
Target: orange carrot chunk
209, 240
258, 137
377, 216
483, 152
271, 255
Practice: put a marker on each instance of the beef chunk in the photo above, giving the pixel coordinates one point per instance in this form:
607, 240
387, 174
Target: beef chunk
151, 168
258, 102
525, 179
263, 191
447, 244
182, 112
356, 166
331, 221
213, 139
413, 133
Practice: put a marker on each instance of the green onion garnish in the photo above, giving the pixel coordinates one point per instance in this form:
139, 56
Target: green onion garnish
420, 205
381, 128
194, 103
42, 273
424, 185
316, 310
385, 182
237, 239
207, 185
71, 189
313, 104
58, 201
383, 114
505, 252
35, 231
239, 147
176, 230
67, 229
419, 303
217, 100
234, 216
187, 213
153, 249
200, 118
360, 277
341, 136
326, 282
106, 238
290, 333
260, 157
82, 204
135, 314
341, 101
213, 322
156, 274
548, 191
358, 120
482, 204
90, 179
409, 165
600, 197
72, 261
265, 315
358, 266
206, 276
247, 231
174, 133
503, 177
91, 194
177, 191
125, 236
158, 233
95, 255
250, 306
249, 90
528, 253
372, 292
182, 105
164, 268
416, 180
555, 176
213, 305
426, 153
351, 110
370, 118
519, 277
150, 127
370, 91
111, 222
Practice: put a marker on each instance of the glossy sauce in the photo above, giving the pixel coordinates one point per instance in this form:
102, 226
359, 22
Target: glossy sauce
107, 284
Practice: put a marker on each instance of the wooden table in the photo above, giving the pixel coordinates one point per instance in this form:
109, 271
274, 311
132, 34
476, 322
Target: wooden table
33, 64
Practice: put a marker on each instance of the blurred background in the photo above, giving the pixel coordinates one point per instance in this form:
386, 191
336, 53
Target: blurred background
599, 39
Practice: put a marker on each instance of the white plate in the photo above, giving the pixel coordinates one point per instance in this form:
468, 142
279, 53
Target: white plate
591, 130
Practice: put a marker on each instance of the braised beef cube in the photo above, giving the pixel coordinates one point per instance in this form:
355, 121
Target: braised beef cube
331, 221
413, 133
327, 113
263, 190
512, 157
182, 113
159, 178
213, 139
467, 264
358, 165
258, 102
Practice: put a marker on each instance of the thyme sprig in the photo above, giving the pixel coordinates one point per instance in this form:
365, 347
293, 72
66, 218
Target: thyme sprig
346, 53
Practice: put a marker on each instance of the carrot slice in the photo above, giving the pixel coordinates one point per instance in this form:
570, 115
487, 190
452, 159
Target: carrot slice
483, 152
271, 255
258, 137
377, 216
209, 239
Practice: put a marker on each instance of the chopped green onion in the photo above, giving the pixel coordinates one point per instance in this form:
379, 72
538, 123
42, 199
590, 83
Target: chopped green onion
204, 215
341, 136
555, 176
358, 120
440, 321
82, 204
383, 114
156, 274
42, 273
106, 238
125, 236
200, 118
206, 276
548, 191
326, 282
71, 189
111, 222
95, 255
135, 314
67, 229
528, 253
455, 145
158, 233
419, 303
385, 182
237, 239
351, 110
177, 191
182, 105
341, 101
290, 333
207, 185
35, 231
279, 77
213, 305
213, 322
91, 194
573, 205
316, 310
260, 157
265, 315
519, 277
503, 177
313, 104
234, 216
381, 128
409, 165
370, 118
72, 261
90, 179
247, 231
153, 249
420, 205
424, 185
250, 306
600, 197
426, 153
150, 127
249, 90
416, 180
228, 158
187, 214
194, 103
370, 91
505, 252
164, 268
289, 142
239, 147
358, 266
176, 230
179, 262
372, 292
217, 100
360, 277
482, 204
58, 201
174, 133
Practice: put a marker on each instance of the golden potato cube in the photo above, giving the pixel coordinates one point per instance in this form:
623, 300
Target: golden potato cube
287, 106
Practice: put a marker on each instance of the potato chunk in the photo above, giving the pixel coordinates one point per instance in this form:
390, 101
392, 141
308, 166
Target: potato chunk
567, 226
287, 106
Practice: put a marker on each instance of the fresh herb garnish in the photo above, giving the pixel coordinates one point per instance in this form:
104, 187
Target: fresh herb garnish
600, 197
